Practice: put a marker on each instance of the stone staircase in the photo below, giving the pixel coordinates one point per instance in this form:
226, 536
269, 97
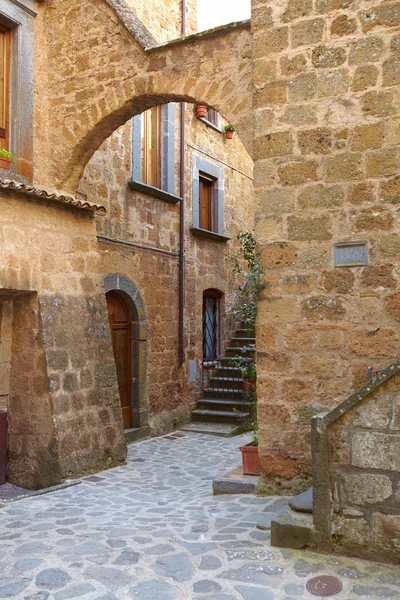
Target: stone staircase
224, 406
294, 529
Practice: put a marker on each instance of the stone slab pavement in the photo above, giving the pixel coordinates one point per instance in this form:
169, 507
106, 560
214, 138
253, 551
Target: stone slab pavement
151, 530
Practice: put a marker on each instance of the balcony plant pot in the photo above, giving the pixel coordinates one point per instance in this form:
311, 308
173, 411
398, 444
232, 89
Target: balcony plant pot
201, 111
229, 134
249, 385
5, 165
250, 459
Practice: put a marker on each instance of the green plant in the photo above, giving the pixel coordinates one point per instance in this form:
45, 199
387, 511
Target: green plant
229, 128
247, 267
175, 421
7, 155
253, 427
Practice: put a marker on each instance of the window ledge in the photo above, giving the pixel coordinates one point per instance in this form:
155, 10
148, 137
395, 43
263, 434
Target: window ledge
211, 235
209, 124
138, 186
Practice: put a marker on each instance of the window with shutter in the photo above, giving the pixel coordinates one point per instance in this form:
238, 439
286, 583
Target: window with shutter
4, 87
208, 203
151, 147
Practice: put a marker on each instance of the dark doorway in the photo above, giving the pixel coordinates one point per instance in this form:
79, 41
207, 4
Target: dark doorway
211, 324
121, 333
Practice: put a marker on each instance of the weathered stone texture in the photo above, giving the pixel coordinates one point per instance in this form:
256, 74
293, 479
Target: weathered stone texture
333, 146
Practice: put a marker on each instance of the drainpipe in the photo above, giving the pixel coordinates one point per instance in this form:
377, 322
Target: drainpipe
182, 216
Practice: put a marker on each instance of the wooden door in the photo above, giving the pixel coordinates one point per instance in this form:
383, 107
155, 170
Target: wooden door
120, 327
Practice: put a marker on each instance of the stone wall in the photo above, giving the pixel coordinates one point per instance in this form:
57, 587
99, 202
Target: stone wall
326, 150
63, 405
164, 19
356, 458
139, 218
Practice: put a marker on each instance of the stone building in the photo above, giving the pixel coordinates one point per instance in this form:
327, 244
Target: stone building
311, 87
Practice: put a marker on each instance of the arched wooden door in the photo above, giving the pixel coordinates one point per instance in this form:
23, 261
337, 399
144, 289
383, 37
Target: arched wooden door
120, 327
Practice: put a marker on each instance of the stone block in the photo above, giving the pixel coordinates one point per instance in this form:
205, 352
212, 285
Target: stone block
278, 466
274, 361
266, 387
391, 71
378, 103
392, 306
374, 450
326, 58
315, 141
277, 310
326, 6
361, 193
322, 365
272, 414
319, 308
365, 311
380, 276
298, 391
339, 442
275, 39
343, 25
366, 137
302, 87
307, 33
299, 337
340, 281
351, 532
373, 413
382, 163
300, 115
390, 245
364, 77
374, 343
296, 9
390, 190
278, 255
333, 83
264, 70
395, 421
386, 532
293, 65
273, 144
343, 167
393, 131
274, 93
304, 229
366, 50
296, 173
315, 256
373, 220
298, 284
291, 531
275, 201
331, 340
384, 15
266, 336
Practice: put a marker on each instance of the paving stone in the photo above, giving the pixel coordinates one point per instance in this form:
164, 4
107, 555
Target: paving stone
294, 590
252, 593
374, 592
206, 586
152, 590
210, 562
27, 564
177, 566
251, 573
74, 592
127, 557
109, 577
52, 579
38, 596
10, 587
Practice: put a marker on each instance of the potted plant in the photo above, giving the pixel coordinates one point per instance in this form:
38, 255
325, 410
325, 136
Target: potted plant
250, 458
229, 131
201, 111
6, 160
250, 378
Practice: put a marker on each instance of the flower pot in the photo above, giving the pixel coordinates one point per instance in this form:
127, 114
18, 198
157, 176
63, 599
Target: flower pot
201, 111
250, 459
249, 385
229, 134
5, 164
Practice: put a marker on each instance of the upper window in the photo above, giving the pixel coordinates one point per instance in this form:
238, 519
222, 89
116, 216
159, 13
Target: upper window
213, 117
151, 147
208, 203
4, 87
153, 155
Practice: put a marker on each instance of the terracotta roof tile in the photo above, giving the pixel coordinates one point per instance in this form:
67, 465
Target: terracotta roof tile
50, 196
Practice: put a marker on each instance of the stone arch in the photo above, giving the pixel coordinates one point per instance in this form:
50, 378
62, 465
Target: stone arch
130, 293
87, 100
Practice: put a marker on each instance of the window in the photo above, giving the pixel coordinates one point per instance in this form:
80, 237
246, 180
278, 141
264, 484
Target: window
208, 203
153, 152
151, 147
4, 86
211, 324
213, 117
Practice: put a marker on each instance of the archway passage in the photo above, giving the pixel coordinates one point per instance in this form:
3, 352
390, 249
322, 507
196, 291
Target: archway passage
121, 334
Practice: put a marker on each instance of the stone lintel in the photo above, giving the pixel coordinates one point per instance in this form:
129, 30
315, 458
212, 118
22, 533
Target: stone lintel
138, 186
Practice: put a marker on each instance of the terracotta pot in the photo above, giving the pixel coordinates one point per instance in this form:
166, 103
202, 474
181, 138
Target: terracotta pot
201, 111
5, 164
250, 459
229, 134
249, 385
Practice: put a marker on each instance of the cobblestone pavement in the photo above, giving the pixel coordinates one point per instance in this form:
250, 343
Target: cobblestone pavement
151, 530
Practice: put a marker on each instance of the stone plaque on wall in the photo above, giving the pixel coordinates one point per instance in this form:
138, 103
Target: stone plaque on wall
351, 254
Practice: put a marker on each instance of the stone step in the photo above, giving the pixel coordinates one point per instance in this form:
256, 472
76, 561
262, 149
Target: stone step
217, 403
292, 530
224, 430
243, 341
137, 433
220, 392
228, 372
231, 382
232, 351
303, 503
218, 416
243, 333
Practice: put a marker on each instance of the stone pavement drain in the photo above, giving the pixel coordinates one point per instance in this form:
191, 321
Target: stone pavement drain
151, 530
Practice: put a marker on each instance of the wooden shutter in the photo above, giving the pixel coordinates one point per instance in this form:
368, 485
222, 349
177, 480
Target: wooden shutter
151, 147
208, 204
5, 54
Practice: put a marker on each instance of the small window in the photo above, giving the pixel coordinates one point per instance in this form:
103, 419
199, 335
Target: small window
5, 39
211, 324
213, 117
208, 203
151, 147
